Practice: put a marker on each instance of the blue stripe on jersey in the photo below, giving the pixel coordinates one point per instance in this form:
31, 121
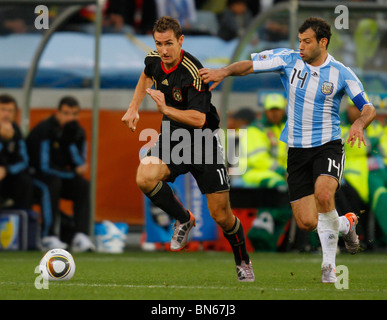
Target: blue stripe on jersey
317, 117
45, 202
335, 117
45, 162
319, 112
75, 155
23, 164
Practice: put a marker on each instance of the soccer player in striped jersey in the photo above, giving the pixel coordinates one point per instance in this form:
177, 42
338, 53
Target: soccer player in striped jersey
315, 83
185, 103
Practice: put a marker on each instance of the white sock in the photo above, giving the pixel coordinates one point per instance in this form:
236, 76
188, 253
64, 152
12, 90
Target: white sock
328, 232
344, 225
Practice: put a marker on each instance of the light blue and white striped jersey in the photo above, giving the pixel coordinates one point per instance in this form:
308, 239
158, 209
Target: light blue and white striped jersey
313, 95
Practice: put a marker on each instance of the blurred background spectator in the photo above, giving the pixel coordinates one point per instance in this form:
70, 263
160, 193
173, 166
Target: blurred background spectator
16, 189
16, 20
56, 148
182, 10
138, 14
234, 20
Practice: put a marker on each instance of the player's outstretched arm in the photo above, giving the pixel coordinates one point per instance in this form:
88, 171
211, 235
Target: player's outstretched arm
356, 131
131, 117
240, 68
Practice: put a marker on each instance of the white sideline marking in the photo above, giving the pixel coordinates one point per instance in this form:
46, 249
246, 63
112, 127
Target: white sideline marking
156, 286
131, 286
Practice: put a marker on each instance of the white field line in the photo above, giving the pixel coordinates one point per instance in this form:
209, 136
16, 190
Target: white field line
132, 286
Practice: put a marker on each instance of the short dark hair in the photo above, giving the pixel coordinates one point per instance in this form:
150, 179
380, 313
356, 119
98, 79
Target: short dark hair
69, 101
321, 28
164, 24
6, 98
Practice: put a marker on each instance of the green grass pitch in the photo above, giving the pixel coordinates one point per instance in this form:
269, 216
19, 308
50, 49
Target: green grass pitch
193, 276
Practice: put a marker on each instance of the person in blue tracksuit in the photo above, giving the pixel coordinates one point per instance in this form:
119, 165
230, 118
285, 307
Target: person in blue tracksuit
15, 181
57, 150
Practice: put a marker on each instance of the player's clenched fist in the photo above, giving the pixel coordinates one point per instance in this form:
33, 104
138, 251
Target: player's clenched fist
131, 118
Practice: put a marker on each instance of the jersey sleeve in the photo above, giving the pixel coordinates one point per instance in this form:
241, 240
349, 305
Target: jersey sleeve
271, 60
198, 96
149, 62
354, 89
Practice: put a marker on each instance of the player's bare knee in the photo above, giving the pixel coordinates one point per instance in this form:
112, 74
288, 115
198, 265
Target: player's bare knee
219, 215
307, 224
141, 182
223, 218
145, 180
221, 222
324, 198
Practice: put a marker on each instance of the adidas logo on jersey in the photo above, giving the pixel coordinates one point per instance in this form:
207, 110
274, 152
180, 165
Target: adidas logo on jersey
165, 82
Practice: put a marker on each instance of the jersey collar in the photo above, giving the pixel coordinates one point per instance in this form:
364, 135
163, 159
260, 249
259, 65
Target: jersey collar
175, 67
327, 60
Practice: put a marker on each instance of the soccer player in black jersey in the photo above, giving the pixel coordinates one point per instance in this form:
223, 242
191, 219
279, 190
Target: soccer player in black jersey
185, 102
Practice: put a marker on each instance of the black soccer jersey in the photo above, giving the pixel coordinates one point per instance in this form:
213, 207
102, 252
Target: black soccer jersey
182, 87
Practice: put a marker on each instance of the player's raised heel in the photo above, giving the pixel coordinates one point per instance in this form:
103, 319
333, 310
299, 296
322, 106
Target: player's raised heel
351, 239
180, 235
328, 274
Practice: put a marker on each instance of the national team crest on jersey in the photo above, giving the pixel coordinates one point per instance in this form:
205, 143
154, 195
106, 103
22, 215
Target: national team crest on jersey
327, 88
262, 57
177, 95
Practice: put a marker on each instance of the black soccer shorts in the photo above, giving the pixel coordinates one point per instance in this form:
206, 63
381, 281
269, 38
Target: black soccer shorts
305, 165
203, 158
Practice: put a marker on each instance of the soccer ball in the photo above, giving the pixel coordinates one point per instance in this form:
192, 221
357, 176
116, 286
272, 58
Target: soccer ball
57, 264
